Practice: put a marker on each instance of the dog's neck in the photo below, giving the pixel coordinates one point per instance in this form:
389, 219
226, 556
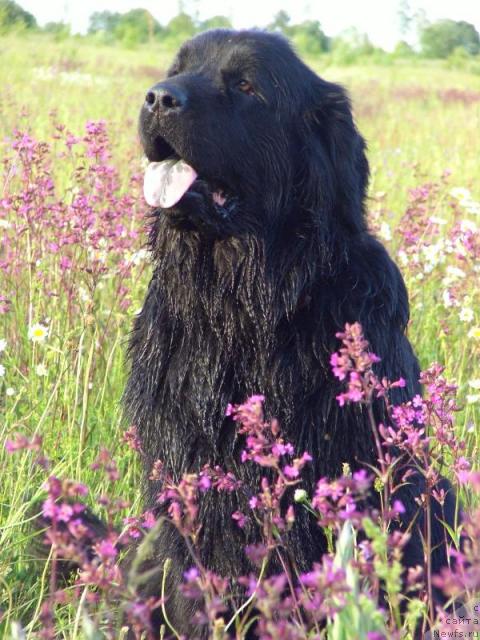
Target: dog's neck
216, 328
226, 318
214, 286
244, 278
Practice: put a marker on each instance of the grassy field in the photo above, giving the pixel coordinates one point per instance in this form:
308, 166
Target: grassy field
69, 288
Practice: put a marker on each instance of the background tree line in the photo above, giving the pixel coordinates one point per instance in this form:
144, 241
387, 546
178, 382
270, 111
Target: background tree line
456, 40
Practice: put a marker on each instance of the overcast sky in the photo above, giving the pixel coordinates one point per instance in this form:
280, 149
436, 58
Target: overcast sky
378, 18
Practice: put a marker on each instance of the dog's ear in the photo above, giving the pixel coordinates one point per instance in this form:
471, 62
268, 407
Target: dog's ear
336, 149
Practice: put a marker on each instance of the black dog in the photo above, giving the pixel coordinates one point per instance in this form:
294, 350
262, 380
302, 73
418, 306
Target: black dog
261, 254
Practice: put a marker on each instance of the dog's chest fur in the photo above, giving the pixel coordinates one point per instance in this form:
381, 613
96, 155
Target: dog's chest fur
215, 328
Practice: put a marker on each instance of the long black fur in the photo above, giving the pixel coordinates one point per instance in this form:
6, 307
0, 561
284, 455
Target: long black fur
248, 299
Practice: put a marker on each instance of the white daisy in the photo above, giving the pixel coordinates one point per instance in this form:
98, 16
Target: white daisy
466, 314
41, 370
38, 332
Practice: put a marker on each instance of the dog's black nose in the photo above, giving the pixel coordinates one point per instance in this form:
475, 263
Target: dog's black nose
163, 97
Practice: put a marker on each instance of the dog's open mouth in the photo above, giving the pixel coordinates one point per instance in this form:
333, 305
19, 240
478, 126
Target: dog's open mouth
169, 178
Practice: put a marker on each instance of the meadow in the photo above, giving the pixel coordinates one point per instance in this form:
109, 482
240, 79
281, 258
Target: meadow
73, 273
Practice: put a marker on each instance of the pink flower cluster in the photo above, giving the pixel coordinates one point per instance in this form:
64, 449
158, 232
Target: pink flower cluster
353, 363
86, 227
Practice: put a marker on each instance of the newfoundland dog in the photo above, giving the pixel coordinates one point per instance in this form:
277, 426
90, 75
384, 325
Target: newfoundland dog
261, 253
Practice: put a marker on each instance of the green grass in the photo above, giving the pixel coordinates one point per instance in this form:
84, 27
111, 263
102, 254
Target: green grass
413, 135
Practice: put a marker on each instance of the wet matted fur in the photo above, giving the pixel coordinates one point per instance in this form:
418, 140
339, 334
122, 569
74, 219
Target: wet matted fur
247, 295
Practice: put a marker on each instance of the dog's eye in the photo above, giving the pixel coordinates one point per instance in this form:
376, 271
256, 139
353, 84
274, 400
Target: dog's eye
246, 87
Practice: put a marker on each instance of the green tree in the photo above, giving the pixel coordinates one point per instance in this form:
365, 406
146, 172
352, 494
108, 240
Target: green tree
12, 16
309, 37
59, 30
403, 50
440, 39
106, 21
180, 28
351, 45
281, 22
216, 22
405, 17
136, 26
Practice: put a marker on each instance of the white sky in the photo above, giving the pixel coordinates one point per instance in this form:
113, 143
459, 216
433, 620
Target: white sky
378, 18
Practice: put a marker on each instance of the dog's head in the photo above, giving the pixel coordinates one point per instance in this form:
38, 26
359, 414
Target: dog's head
241, 114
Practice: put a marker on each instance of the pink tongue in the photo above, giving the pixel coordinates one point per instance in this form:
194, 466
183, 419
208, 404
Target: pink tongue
219, 198
166, 182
